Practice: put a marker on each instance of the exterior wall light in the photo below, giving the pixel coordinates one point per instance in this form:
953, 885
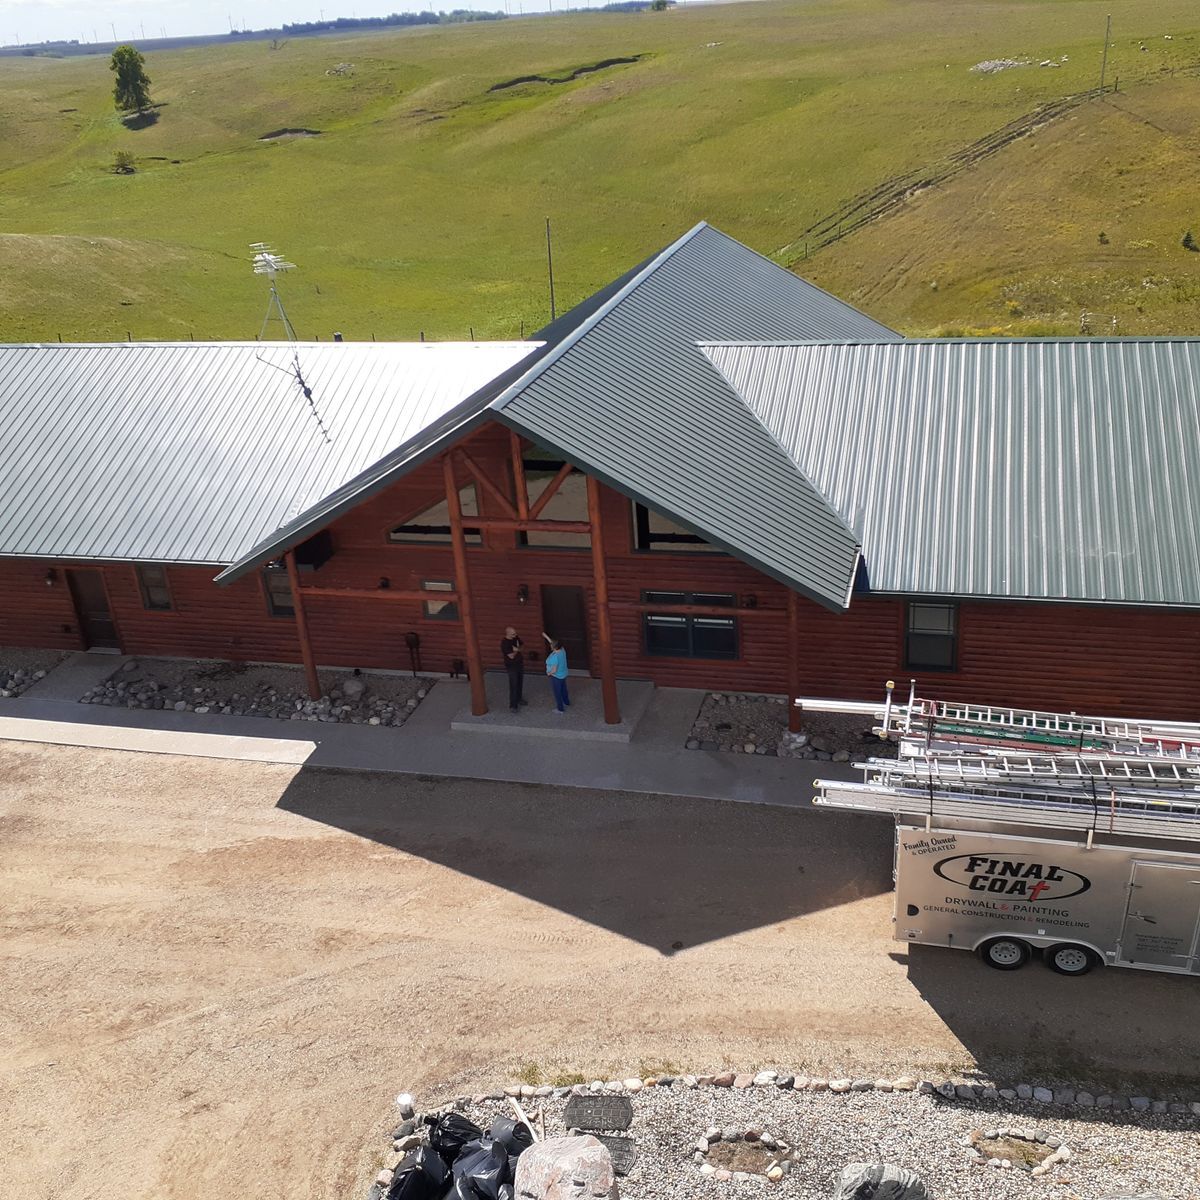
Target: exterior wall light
51, 577
384, 583
522, 593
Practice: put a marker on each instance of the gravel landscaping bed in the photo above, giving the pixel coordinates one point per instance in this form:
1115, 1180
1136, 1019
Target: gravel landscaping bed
743, 723
21, 668
261, 691
1098, 1154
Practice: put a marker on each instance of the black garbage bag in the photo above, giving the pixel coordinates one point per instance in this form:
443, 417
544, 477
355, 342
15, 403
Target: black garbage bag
449, 1133
514, 1137
423, 1175
481, 1170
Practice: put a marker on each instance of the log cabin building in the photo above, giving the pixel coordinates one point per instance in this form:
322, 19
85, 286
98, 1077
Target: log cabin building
710, 474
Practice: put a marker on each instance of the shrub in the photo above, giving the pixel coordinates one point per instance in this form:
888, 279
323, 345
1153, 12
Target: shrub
1190, 243
123, 163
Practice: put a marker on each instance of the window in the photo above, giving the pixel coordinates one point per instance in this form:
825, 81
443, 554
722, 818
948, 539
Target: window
931, 639
432, 525
690, 635
653, 531
439, 610
156, 592
279, 592
569, 503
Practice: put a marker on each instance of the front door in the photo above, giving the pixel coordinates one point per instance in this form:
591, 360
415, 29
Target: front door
91, 607
564, 616
1162, 921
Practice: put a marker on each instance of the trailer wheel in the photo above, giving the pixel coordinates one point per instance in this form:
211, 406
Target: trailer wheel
1070, 960
1005, 954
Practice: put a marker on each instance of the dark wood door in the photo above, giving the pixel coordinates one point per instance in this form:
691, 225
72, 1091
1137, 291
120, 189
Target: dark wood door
564, 616
91, 607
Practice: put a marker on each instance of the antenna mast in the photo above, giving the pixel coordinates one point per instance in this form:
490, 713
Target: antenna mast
270, 264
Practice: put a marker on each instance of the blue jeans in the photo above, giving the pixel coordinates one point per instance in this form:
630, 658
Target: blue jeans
560, 692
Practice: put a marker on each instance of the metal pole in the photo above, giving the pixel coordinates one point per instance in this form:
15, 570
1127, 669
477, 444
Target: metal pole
550, 269
1104, 57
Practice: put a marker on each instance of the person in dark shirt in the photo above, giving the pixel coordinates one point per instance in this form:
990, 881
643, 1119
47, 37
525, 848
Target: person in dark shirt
514, 664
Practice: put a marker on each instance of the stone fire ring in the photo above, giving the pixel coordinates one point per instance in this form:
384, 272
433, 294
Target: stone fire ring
778, 1155
977, 1143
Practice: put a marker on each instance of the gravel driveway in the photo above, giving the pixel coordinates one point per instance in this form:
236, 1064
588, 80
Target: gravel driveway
218, 974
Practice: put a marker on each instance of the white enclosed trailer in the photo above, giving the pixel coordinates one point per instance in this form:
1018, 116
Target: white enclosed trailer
1011, 847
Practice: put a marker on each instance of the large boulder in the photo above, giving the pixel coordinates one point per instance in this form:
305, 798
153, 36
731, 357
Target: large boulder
878, 1181
565, 1168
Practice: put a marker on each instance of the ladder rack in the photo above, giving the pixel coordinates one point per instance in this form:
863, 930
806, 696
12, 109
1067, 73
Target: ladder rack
926, 726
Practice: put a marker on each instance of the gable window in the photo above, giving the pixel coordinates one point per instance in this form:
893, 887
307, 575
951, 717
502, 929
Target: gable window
690, 635
432, 525
931, 637
279, 592
569, 503
439, 610
653, 531
156, 592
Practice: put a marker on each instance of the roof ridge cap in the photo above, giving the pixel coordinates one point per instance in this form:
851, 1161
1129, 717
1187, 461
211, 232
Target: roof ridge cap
593, 319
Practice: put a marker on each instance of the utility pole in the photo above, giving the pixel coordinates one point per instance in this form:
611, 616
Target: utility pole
1104, 57
550, 270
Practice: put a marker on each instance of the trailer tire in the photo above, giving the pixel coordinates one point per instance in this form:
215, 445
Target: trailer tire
1005, 953
1069, 959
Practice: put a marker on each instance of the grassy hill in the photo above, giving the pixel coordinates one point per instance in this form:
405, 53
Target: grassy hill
419, 207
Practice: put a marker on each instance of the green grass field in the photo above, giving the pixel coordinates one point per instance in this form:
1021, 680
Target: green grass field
421, 205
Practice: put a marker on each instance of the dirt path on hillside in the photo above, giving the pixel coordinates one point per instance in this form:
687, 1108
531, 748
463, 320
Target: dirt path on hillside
217, 975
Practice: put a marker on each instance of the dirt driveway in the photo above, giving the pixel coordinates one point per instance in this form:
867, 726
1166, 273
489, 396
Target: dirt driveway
217, 975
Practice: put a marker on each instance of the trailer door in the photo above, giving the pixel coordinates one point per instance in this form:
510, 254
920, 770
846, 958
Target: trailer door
1162, 920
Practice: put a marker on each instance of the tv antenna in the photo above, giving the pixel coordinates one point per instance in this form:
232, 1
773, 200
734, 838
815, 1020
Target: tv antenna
267, 262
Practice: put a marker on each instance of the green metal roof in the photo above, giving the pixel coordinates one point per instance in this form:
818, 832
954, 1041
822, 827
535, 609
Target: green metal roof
1022, 469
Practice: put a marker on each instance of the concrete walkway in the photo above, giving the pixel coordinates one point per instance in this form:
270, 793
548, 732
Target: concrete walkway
652, 760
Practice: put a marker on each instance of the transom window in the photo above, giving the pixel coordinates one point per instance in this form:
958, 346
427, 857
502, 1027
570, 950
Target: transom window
439, 610
653, 531
279, 592
569, 503
156, 591
690, 635
931, 637
432, 525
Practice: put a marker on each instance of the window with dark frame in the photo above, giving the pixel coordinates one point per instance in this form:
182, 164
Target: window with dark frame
931, 637
690, 635
156, 591
431, 526
439, 610
652, 531
279, 592
569, 503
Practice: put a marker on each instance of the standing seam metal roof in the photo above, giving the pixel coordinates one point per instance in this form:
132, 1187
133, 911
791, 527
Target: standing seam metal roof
195, 452
1054, 470
630, 398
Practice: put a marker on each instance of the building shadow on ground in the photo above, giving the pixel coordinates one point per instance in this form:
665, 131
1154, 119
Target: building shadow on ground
1119, 1029
667, 872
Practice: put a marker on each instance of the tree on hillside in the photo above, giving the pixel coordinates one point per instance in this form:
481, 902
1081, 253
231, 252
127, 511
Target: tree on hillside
132, 89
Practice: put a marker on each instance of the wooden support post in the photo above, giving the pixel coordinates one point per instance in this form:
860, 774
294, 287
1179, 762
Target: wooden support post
462, 585
310, 663
608, 678
518, 466
793, 664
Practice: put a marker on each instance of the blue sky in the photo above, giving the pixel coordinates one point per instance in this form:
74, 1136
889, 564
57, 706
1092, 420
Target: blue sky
41, 20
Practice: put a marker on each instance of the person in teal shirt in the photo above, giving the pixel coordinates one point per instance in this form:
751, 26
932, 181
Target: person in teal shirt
556, 669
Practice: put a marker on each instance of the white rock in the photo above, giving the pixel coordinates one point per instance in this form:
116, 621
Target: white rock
764, 1078
707, 1169
565, 1168
800, 1082
839, 1085
633, 1085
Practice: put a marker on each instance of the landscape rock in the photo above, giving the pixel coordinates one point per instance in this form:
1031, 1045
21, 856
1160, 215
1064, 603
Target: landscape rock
878, 1181
565, 1168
